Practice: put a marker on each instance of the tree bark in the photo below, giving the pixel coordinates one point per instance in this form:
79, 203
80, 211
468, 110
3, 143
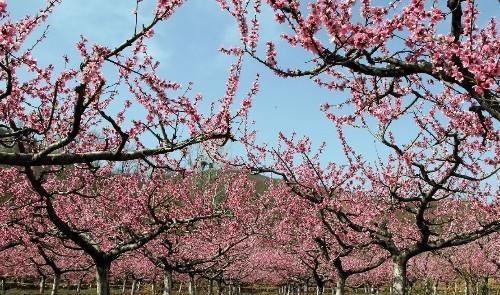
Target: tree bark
435, 287
427, 289
55, 284
467, 287
167, 282
192, 285
102, 278
340, 288
485, 288
41, 285
79, 286
132, 290
2, 286
219, 286
399, 276
124, 285
210, 284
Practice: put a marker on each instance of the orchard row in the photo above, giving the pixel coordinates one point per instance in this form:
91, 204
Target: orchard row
101, 184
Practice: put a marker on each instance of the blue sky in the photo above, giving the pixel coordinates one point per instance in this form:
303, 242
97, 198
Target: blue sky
187, 46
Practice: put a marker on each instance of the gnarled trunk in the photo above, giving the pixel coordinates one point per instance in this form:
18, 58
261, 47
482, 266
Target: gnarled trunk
102, 278
167, 282
399, 276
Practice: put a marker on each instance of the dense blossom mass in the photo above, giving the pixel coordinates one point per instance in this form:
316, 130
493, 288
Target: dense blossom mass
113, 176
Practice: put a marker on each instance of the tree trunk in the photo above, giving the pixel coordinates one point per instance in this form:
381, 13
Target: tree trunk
41, 285
340, 288
180, 288
409, 287
485, 288
102, 278
210, 284
167, 282
427, 289
124, 285
132, 290
2, 286
435, 287
153, 287
219, 286
467, 287
399, 276
55, 283
192, 285
79, 286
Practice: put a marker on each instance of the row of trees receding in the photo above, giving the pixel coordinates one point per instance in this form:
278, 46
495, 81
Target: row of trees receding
99, 184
